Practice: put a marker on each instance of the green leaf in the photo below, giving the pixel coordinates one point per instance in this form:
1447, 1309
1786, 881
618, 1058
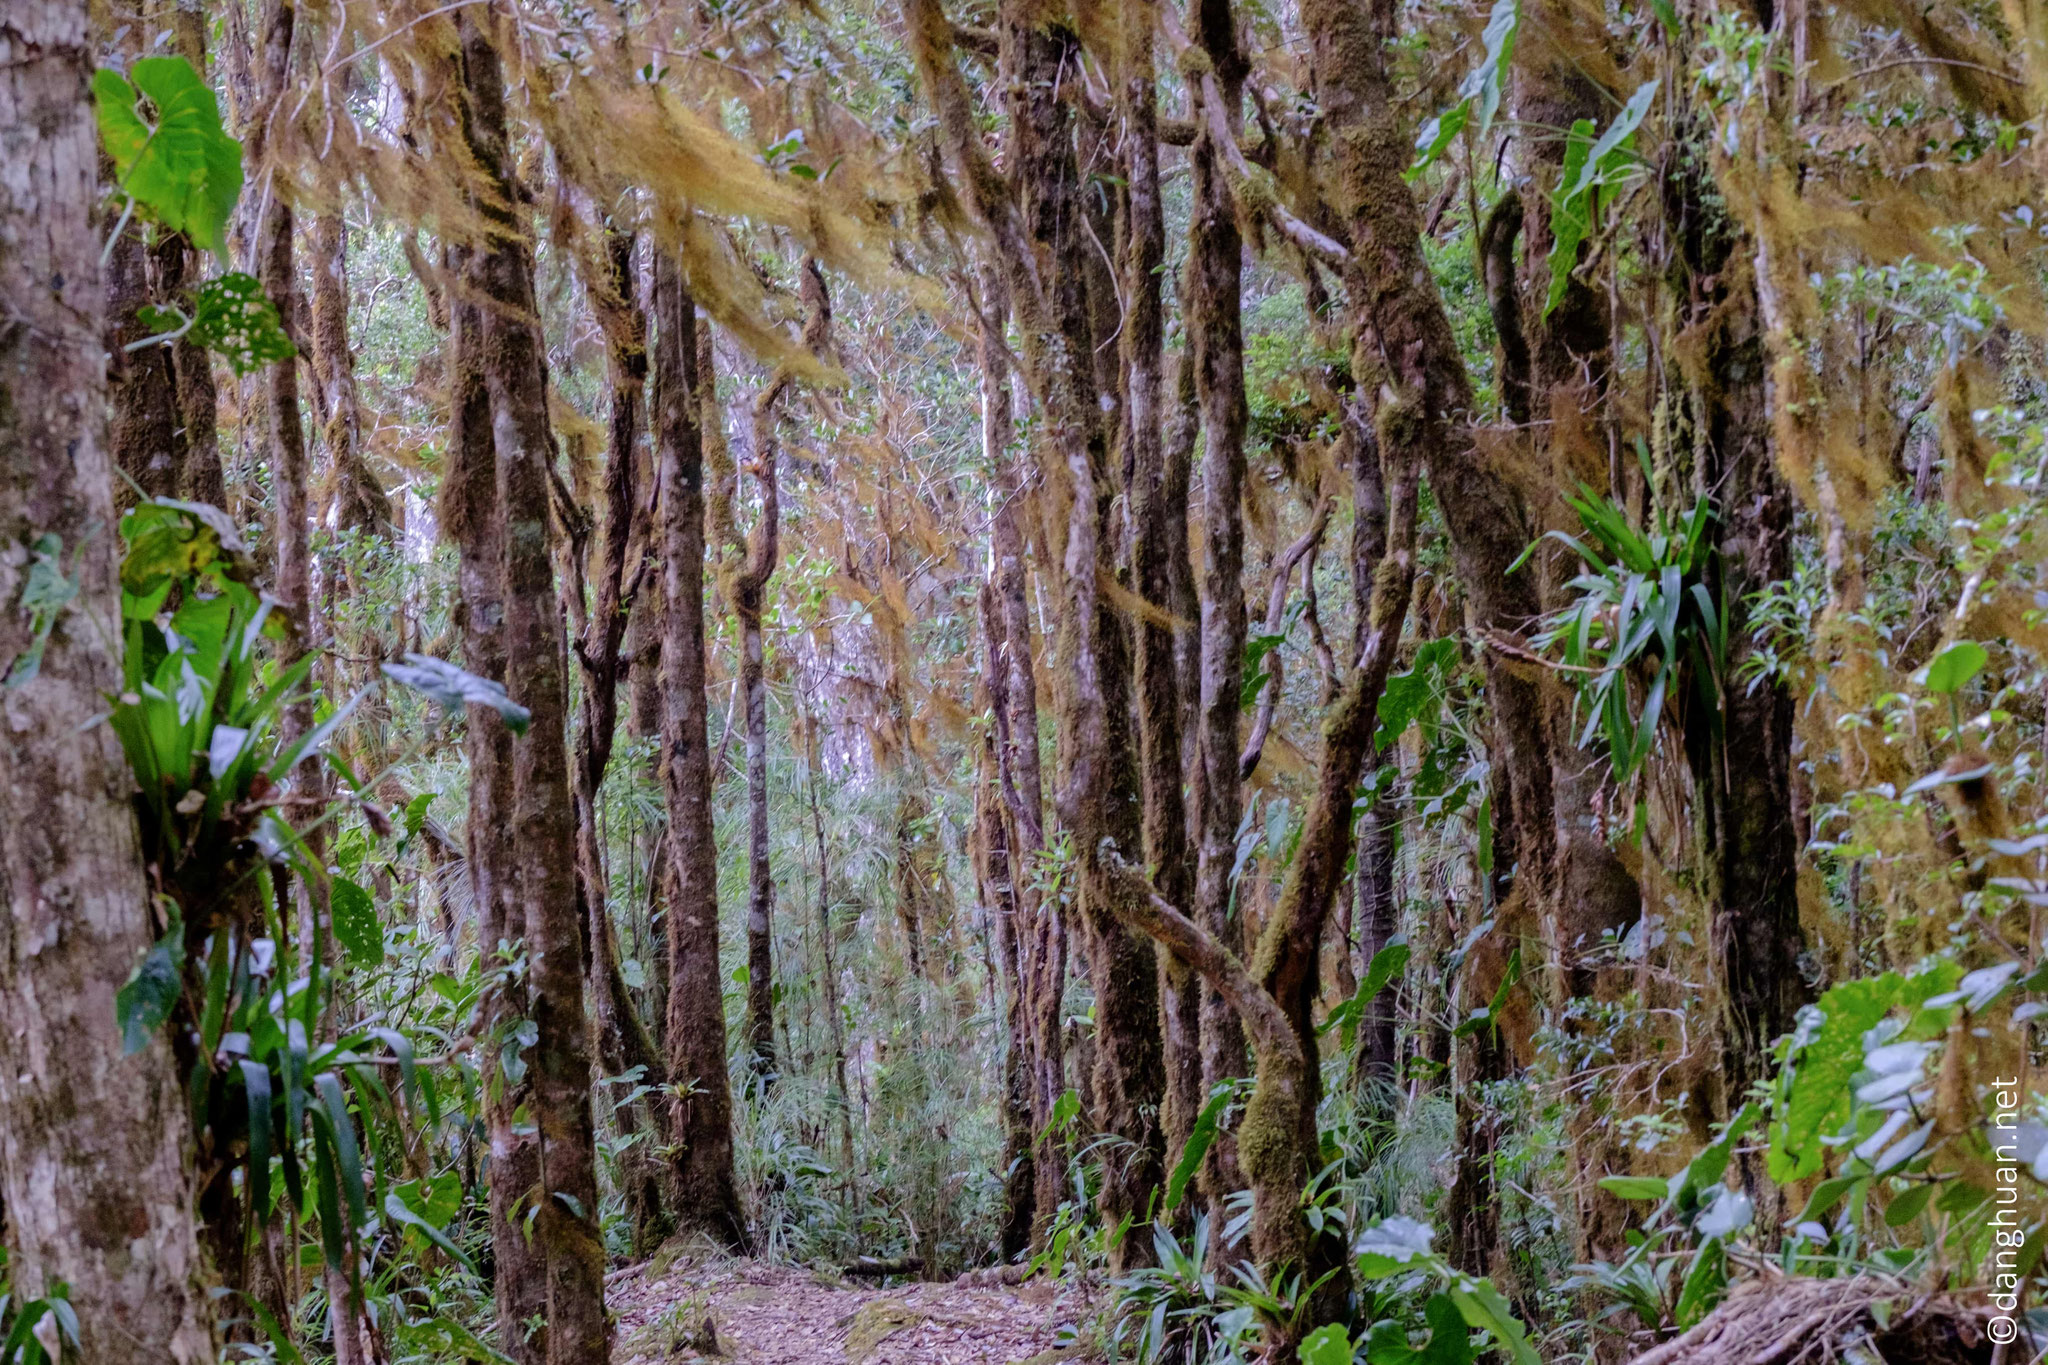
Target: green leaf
183, 169
1705, 1282
396, 1209
1483, 1307
1391, 1246
256, 1089
1481, 88
1200, 1138
1907, 1206
45, 592
1826, 1053
1635, 1187
144, 1002
1388, 963
1826, 1195
1326, 1346
1953, 668
349, 1160
1590, 168
455, 688
1570, 220
1417, 694
234, 318
354, 916
1065, 1110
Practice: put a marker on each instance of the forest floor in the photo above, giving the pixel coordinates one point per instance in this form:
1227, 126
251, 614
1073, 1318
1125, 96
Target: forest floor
762, 1314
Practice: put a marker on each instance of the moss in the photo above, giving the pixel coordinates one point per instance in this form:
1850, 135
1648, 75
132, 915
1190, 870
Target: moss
875, 1323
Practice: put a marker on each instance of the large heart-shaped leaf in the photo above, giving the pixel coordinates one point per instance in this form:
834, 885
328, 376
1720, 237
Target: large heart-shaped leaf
161, 128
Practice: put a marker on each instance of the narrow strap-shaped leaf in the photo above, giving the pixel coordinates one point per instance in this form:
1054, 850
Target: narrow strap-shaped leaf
347, 1154
327, 1193
256, 1086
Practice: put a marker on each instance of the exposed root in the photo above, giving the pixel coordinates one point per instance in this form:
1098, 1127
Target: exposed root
1820, 1322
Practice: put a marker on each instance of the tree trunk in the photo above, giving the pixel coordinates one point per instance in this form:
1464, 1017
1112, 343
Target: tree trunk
623, 1040
999, 898
1216, 333
471, 517
359, 501
1168, 856
1742, 775
94, 1144
760, 1028
1406, 365
700, 1125
542, 819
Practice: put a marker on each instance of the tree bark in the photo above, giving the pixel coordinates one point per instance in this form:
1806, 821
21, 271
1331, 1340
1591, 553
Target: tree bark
542, 817
1168, 855
1216, 333
1742, 775
700, 1125
95, 1145
359, 501
1410, 376
471, 517
623, 1039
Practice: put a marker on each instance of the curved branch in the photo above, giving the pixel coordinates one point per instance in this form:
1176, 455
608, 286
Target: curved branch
1276, 612
1145, 909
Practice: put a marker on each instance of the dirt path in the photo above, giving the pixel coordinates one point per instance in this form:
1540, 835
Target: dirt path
773, 1315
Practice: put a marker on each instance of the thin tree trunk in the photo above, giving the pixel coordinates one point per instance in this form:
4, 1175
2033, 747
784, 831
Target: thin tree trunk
827, 946
701, 1123
471, 517
1168, 855
541, 818
1215, 328
359, 501
1043, 941
750, 591
95, 1144
997, 875
623, 1039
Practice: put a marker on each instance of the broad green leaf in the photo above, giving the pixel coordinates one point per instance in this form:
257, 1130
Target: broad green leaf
1329, 1345
1908, 1206
1825, 1055
161, 128
1479, 91
1590, 168
1570, 220
1415, 695
145, 1001
399, 1212
1391, 1246
1953, 668
354, 916
233, 317
1484, 1307
455, 688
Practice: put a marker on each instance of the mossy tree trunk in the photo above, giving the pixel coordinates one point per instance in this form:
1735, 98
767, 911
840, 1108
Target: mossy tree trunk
541, 815
616, 601
700, 1125
95, 1144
